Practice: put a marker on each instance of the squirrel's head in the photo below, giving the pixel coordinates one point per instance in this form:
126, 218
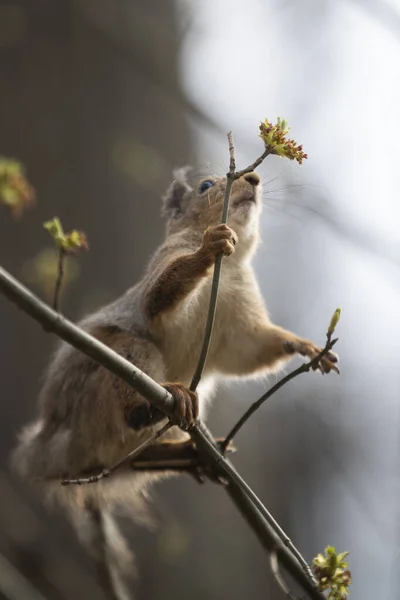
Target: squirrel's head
196, 201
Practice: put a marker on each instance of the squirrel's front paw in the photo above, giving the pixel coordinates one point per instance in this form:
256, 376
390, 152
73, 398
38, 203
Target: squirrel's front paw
217, 239
186, 405
306, 348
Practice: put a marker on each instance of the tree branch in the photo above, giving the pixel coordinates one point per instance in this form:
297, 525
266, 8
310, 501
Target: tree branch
56, 323
60, 276
241, 494
274, 564
165, 456
304, 368
230, 177
255, 164
106, 472
258, 524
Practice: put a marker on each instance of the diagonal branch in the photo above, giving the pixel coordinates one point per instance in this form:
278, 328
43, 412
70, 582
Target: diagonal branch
242, 495
304, 368
274, 564
255, 164
53, 322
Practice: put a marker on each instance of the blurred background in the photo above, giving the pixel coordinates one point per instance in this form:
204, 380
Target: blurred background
100, 100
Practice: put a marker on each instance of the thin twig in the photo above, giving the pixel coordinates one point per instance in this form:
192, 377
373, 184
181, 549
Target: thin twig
230, 177
255, 164
274, 564
60, 277
135, 453
304, 368
241, 494
165, 456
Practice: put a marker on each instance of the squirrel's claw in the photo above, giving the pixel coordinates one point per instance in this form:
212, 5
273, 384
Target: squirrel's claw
306, 348
186, 405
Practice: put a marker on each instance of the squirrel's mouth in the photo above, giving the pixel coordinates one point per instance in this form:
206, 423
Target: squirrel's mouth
245, 198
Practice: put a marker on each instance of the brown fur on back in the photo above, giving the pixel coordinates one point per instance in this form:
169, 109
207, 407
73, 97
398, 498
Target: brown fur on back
89, 417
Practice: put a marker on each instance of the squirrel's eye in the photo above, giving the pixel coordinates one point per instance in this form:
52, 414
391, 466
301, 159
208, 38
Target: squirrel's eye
205, 185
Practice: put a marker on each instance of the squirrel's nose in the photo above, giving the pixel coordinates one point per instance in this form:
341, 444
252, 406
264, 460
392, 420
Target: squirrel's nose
253, 178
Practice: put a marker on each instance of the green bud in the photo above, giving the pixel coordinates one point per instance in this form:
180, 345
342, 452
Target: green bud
56, 231
68, 242
334, 321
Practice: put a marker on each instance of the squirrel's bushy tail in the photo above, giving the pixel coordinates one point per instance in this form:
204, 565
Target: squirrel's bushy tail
89, 508
99, 533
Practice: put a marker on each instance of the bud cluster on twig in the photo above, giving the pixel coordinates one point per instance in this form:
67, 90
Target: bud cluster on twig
274, 138
15, 190
332, 574
71, 242
67, 243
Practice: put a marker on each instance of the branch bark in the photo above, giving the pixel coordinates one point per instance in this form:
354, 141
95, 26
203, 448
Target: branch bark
243, 497
60, 277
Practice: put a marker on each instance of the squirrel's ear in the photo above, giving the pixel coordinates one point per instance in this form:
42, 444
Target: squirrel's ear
173, 200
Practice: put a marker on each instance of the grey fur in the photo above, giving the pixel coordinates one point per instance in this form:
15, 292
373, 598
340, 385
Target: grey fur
81, 421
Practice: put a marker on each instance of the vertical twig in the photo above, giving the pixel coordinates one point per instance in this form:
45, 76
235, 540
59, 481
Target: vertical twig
230, 177
60, 277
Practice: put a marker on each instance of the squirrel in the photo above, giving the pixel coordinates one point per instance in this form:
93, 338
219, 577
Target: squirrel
89, 417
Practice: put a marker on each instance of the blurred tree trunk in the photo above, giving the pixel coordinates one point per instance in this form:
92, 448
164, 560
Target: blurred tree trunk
91, 104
